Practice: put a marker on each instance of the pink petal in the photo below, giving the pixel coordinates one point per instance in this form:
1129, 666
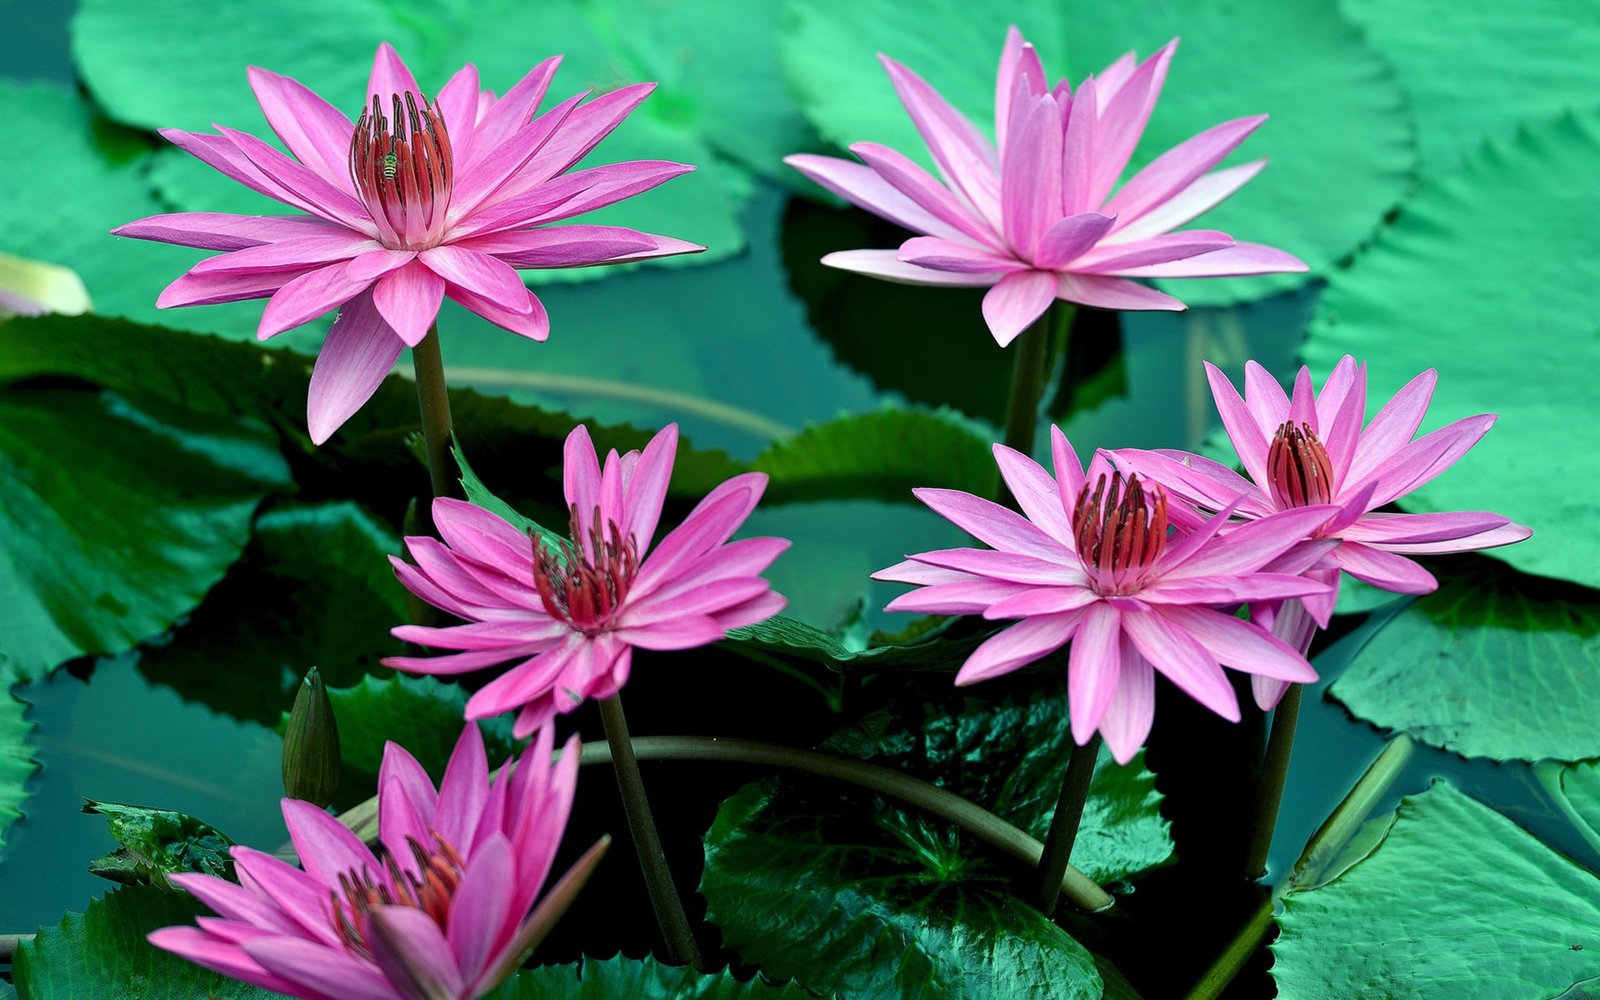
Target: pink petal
1375, 529
1392, 428
331, 972
1134, 256
1113, 293
1419, 462
647, 487
464, 789
221, 154
1202, 195
1036, 492
1249, 438
478, 274
481, 635
886, 264
481, 921
1030, 175
306, 185
1183, 660
580, 478
297, 894
918, 185
949, 255
860, 185
303, 299
1079, 150
457, 104
1093, 669
1247, 547
1233, 590
389, 76
206, 951
1123, 121
461, 663
996, 526
1071, 238
1018, 646
1179, 166
527, 319
1266, 399
1069, 469
210, 289
1394, 573
526, 681
326, 847
1017, 58
508, 115
1041, 601
1341, 406
685, 631
1492, 538
316, 132
711, 523
483, 536
1127, 719
571, 194
222, 231
1239, 644
358, 354
296, 253
408, 299
584, 129
500, 172
1016, 301
965, 597
575, 246
413, 954
1196, 479
235, 902
960, 150
1238, 259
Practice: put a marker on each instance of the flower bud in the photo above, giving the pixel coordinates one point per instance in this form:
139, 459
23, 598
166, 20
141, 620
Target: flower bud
311, 744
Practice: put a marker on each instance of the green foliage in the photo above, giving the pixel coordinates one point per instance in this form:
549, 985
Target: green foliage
157, 843
424, 714
16, 756
1457, 903
922, 650
1447, 667
102, 954
645, 979
1339, 139
1439, 274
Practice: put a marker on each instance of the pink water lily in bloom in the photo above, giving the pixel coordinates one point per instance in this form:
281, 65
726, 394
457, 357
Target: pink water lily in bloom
1091, 560
1033, 214
1311, 449
572, 615
413, 202
444, 910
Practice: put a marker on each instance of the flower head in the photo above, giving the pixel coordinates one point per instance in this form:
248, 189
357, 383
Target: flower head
414, 201
1032, 214
572, 613
1091, 559
442, 909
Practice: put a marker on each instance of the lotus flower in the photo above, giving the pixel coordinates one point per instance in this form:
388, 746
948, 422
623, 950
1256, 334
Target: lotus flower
441, 911
572, 614
1310, 449
413, 202
1033, 214
1091, 560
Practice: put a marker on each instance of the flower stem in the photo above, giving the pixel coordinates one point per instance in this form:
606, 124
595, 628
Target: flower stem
1064, 824
1274, 771
1027, 383
433, 400
681, 946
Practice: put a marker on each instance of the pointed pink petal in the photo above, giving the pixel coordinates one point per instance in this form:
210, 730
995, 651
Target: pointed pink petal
326, 847
235, 902
526, 681
584, 129
860, 185
926, 192
1341, 406
316, 132
1016, 301
1135, 256
389, 77
222, 231
331, 972
408, 300
510, 114
1035, 601
1122, 123
962, 153
964, 597
481, 921
1249, 438
464, 789
303, 299
1183, 660
1419, 462
210, 289
297, 894
1202, 195
528, 319
500, 172
685, 631
1093, 669
229, 959
1234, 590
480, 635
1383, 529
1394, 573
1240, 644
1114, 293
1069, 239
1126, 722
996, 526
1392, 428
413, 954
711, 523
1036, 492
359, 352
886, 264
219, 153
306, 185
1179, 166
1079, 150
1016, 58
576, 246
647, 487
1196, 479
478, 274
1018, 646
949, 255
299, 252
1030, 175
1268, 403
1238, 259
570, 194
1247, 547
580, 478
457, 104
1069, 469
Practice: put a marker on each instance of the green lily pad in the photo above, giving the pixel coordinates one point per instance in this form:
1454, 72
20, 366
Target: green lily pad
1447, 667
120, 50
644, 979
1457, 903
424, 713
1434, 292
314, 589
102, 954
1539, 59
16, 757
879, 903
1575, 790
1339, 139
157, 843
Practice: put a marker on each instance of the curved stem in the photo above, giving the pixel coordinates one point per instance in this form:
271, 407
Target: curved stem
1027, 383
1274, 771
681, 946
985, 825
1064, 823
433, 400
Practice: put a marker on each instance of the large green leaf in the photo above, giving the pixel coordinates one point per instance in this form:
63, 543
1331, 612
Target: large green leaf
117, 520
16, 756
103, 955
1575, 789
1538, 56
879, 903
425, 714
120, 52
1339, 141
157, 843
646, 979
314, 589
1457, 903
1435, 291
1493, 664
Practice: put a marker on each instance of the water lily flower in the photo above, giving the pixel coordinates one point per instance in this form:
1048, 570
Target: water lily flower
572, 613
1311, 449
1091, 559
445, 908
413, 202
1032, 215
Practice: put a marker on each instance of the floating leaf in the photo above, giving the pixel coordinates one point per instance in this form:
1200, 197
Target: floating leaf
1457, 903
647, 979
1434, 292
1447, 667
423, 713
157, 843
1339, 139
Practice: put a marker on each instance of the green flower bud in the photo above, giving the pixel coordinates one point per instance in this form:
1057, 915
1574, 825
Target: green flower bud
311, 744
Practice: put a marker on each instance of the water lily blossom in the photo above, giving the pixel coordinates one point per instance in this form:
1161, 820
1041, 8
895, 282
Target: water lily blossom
445, 908
415, 201
1091, 559
1311, 449
571, 615
1032, 215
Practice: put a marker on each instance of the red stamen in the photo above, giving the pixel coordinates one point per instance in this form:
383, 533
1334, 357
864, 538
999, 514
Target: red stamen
1120, 530
587, 579
1298, 468
429, 889
403, 170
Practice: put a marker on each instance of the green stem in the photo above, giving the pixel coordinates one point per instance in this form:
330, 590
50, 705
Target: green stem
1064, 824
1027, 384
985, 825
433, 400
1274, 771
681, 946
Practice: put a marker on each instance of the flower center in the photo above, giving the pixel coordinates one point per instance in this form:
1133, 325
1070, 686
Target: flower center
1120, 531
403, 171
584, 584
429, 889
1298, 468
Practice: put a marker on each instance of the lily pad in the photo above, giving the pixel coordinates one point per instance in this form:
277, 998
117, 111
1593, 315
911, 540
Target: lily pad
121, 54
645, 979
1457, 903
424, 713
1434, 292
16, 757
157, 843
1447, 667
1339, 140
1540, 59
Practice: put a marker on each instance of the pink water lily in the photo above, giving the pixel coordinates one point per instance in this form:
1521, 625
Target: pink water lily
1033, 215
413, 202
1311, 449
571, 615
1091, 560
445, 908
